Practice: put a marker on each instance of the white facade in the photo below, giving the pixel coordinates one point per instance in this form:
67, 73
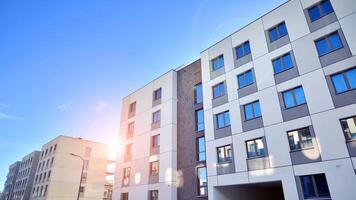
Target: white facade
336, 163
139, 186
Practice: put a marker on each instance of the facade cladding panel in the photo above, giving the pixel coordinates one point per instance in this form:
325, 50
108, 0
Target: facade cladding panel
306, 136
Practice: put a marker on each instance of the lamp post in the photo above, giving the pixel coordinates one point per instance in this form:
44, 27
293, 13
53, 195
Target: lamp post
81, 174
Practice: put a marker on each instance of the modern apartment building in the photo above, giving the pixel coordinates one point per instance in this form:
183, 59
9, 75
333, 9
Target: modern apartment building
7, 194
270, 114
25, 176
58, 175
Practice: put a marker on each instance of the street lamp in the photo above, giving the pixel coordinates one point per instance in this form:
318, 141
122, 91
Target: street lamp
81, 174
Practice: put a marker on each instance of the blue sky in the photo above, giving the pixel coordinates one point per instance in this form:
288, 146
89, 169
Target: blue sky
65, 65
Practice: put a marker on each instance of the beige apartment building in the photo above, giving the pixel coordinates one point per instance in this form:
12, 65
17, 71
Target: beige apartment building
59, 177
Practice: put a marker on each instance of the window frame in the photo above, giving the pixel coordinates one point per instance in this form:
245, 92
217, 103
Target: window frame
255, 145
328, 43
292, 90
132, 107
154, 168
199, 187
197, 123
348, 136
243, 75
253, 110
319, 8
315, 187
219, 85
221, 56
345, 78
300, 139
283, 67
224, 150
277, 29
199, 151
155, 141
155, 94
198, 98
224, 121
126, 176
152, 197
244, 50
158, 112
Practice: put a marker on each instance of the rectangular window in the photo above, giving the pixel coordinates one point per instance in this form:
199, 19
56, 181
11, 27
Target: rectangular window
128, 149
243, 50
223, 119
252, 110
217, 63
255, 148
155, 141
156, 117
349, 127
282, 63
130, 129
328, 44
202, 181
124, 196
315, 186
218, 90
199, 120
320, 10
132, 108
81, 191
224, 154
293, 97
245, 79
201, 149
154, 168
344, 81
126, 176
153, 195
278, 32
86, 164
157, 94
300, 139
198, 93
84, 177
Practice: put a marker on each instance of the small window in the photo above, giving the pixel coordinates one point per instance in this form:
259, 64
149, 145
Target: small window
255, 148
224, 154
132, 108
243, 50
156, 117
293, 97
252, 110
245, 79
314, 186
55, 147
157, 94
349, 127
52, 160
201, 149
300, 139
282, 63
84, 177
344, 81
218, 90
86, 165
223, 119
130, 129
217, 63
278, 32
124, 196
320, 10
126, 176
81, 191
199, 120
45, 190
154, 168
198, 93
328, 44
153, 195
202, 181
155, 141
